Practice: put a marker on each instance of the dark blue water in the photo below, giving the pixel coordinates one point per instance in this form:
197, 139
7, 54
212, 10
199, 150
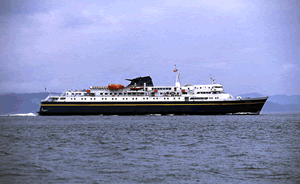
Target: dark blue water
150, 149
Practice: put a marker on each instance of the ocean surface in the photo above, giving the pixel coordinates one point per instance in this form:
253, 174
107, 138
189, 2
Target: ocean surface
151, 149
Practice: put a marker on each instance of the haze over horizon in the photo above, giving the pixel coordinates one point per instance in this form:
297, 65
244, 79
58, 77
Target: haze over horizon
248, 46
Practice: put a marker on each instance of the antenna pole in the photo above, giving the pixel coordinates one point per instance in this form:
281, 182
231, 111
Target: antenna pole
212, 80
177, 83
47, 91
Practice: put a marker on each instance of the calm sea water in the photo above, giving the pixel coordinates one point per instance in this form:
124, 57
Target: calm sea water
151, 149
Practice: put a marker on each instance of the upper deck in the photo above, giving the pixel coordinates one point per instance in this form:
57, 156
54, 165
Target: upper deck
212, 92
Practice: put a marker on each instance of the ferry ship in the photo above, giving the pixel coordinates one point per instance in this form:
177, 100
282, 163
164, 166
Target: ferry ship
141, 97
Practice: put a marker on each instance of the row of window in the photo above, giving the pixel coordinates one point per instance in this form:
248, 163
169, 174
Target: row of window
131, 94
74, 93
208, 87
116, 98
122, 94
142, 93
161, 88
215, 92
203, 98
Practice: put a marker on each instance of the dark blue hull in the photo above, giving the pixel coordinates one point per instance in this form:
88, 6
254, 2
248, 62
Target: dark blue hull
252, 105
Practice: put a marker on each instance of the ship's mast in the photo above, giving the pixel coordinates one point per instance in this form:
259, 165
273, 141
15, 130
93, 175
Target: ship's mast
212, 80
177, 83
47, 90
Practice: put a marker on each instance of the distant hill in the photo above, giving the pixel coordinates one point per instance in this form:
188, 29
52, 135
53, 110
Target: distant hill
21, 103
275, 107
30, 102
278, 103
285, 100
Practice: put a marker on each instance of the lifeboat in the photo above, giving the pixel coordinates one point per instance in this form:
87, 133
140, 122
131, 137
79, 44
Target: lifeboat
136, 88
115, 86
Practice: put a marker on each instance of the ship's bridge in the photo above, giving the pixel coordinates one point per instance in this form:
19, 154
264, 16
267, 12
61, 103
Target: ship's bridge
214, 88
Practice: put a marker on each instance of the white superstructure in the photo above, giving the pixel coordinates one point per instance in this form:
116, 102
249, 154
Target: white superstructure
209, 92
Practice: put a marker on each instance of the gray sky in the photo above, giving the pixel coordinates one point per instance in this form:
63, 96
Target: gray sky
248, 46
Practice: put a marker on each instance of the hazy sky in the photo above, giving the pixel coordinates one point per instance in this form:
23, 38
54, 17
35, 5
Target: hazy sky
247, 45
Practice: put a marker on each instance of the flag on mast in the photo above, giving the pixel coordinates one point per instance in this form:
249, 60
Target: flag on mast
175, 70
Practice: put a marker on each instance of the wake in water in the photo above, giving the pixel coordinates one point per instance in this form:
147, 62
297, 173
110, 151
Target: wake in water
23, 114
